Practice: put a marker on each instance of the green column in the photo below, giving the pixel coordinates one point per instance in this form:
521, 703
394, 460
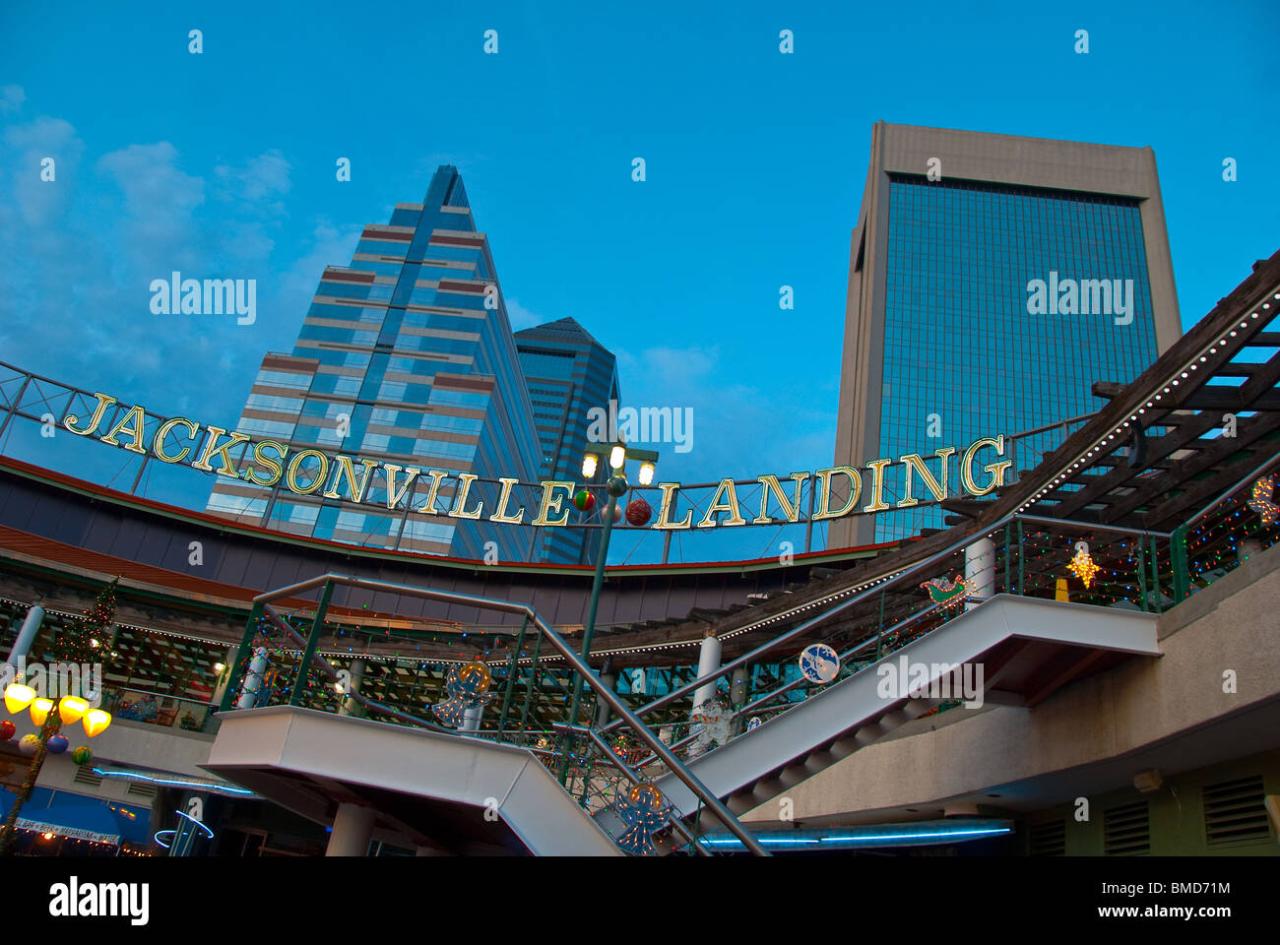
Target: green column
1141, 550
511, 678
1155, 577
242, 654
1181, 568
313, 638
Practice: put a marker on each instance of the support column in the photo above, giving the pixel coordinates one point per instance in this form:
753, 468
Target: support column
980, 570
471, 717
228, 670
26, 636
349, 705
352, 830
253, 679
739, 691
602, 707
708, 663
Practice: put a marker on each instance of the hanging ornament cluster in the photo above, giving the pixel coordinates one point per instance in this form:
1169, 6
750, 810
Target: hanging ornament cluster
715, 721
947, 594
644, 813
467, 686
1082, 565
1261, 501
639, 512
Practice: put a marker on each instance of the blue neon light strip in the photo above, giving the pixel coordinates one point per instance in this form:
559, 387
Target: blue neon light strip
175, 782
905, 835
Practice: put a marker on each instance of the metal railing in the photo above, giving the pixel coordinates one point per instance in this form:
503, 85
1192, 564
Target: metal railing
327, 582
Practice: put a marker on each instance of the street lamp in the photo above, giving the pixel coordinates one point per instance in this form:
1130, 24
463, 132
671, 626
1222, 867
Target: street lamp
70, 709
617, 487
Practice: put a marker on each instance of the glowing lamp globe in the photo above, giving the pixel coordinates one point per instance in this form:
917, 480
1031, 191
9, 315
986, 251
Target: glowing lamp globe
72, 709
17, 697
40, 710
96, 721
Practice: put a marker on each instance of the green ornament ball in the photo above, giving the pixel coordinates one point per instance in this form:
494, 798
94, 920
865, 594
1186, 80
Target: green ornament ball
82, 755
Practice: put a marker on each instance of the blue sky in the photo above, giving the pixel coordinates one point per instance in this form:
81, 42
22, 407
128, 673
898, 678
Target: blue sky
223, 164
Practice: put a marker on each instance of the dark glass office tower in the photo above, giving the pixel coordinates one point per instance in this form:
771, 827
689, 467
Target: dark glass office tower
406, 356
946, 339
568, 372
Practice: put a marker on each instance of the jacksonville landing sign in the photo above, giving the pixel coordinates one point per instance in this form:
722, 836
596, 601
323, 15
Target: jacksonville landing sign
840, 489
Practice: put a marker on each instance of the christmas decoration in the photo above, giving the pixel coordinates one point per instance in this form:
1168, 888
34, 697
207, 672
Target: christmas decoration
584, 500
617, 486
644, 813
82, 755
946, 593
638, 512
57, 744
7, 730
617, 513
29, 744
1082, 565
467, 687
88, 639
1260, 500
819, 663
715, 720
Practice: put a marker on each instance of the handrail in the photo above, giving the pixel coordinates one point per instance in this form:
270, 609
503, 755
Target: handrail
875, 585
610, 698
676, 823
1257, 472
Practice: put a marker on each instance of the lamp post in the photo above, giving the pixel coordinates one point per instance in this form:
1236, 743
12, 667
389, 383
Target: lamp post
617, 487
50, 715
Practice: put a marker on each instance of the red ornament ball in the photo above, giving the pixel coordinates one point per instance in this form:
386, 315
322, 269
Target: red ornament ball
639, 512
7, 730
584, 500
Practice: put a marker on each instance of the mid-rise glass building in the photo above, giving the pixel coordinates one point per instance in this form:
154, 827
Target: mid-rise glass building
943, 342
569, 373
406, 357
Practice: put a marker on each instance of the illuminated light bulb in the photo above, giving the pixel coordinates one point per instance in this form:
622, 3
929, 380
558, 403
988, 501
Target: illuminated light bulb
72, 709
96, 721
617, 456
40, 710
646, 473
589, 462
17, 697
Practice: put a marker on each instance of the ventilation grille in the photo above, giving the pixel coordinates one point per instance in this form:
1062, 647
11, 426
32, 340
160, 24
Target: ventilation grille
85, 775
1236, 811
1049, 838
142, 790
1127, 830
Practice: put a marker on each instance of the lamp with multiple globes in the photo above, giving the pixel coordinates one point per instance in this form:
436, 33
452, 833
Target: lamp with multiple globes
18, 696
